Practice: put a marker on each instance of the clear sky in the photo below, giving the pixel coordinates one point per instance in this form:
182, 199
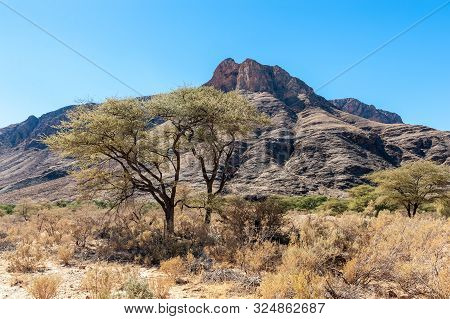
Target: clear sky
155, 46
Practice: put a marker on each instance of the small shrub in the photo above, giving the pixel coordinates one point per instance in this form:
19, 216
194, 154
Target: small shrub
45, 287
65, 254
100, 281
160, 287
300, 203
443, 206
334, 206
248, 222
175, 267
82, 230
102, 204
410, 257
259, 257
28, 257
308, 285
277, 285
361, 196
136, 288
7, 209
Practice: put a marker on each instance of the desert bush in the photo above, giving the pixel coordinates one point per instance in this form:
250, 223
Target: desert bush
300, 203
101, 280
83, 229
243, 223
137, 288
28, 257
174, 267
334, 206
7, 209
259, 257
102, 204
24, 209
45, 287
248, 221
142, 240
326, 243
443, 206
360, 197
160, 287
284, 285
65, 254
409, 258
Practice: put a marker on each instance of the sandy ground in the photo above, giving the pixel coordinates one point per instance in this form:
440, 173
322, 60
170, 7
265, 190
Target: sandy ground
13, 285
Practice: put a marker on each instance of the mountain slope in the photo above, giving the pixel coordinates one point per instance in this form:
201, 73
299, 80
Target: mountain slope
311, 146
356, 107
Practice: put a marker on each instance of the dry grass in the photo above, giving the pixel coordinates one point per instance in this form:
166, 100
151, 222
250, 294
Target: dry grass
65, 254
259, 257
100, 281
45, 287
28, 257
299, 256
160, 287
411, 257
174, 267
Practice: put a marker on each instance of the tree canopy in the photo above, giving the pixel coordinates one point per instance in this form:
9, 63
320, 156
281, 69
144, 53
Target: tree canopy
130, 146
414, 184
220, 120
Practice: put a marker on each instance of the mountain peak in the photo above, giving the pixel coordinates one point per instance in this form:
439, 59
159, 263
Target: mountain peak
356, 107
253, 76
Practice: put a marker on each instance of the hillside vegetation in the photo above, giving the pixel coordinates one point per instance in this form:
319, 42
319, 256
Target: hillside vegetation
250, 249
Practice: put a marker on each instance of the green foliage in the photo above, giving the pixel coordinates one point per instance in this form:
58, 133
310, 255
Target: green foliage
72, 204
62, 203
130, 146
309, 203
137, 289
7, 209
443, 206
102, 204
361, 196
413, 185
334, 206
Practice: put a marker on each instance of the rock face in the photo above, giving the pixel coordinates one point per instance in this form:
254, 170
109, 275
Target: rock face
29, 132
356, 107
254, 77
311, 146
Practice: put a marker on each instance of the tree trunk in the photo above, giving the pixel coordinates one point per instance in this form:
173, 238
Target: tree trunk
208, 215
209, 188
408, 210
415, 207
170, 220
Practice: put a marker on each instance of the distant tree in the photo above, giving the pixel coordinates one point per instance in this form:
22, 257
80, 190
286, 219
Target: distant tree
414, 184
361, 196
220, 120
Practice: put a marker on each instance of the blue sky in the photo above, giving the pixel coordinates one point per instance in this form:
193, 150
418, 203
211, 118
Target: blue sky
156, 46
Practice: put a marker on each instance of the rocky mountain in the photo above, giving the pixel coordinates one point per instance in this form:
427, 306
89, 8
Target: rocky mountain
356, 107
28, 133
311, 146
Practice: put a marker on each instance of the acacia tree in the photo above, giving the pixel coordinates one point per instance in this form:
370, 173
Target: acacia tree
220, 120
129, 147
120, 149
414, 184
